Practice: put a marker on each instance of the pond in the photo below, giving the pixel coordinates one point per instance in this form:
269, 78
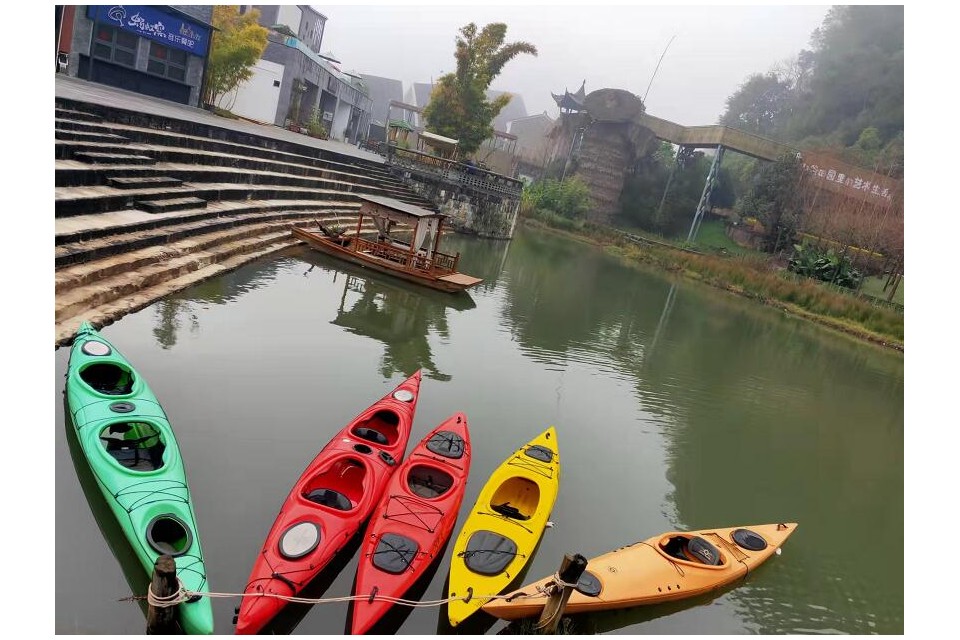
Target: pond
676, 407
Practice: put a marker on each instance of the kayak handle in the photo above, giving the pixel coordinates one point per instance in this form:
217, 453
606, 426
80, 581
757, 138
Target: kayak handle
386, 457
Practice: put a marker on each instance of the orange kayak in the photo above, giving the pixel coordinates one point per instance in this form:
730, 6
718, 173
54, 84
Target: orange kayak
670, 566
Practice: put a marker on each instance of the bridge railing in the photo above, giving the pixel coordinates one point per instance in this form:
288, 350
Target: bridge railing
454, 172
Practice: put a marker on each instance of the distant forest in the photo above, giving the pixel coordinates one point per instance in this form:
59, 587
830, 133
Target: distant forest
844, 96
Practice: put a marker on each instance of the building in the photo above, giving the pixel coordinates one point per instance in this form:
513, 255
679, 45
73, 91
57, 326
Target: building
293, 81
156, 50
534, 148
382, 92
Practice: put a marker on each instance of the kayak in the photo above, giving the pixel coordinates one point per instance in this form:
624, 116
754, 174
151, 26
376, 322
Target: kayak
670, 566
127, 440
414, 520
504, 526
333, 497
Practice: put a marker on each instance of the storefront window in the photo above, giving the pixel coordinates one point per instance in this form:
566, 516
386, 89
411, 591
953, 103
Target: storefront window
164, 61
115, 45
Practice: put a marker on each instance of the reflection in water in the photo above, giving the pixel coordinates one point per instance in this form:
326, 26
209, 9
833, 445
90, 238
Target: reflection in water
400, 318
681, 407
180, 308
766, 418
116, 541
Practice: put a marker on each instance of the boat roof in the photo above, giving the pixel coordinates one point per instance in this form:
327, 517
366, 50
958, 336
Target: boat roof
396, 209
437, 138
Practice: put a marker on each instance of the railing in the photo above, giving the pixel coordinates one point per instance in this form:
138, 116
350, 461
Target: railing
455, 172
399, 253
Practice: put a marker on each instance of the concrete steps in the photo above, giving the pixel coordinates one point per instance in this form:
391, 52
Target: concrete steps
143, 182
171, 204
146, 205
110, 311
96, 157
115, 242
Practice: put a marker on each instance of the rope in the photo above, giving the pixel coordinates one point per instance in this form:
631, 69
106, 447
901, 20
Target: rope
182, 595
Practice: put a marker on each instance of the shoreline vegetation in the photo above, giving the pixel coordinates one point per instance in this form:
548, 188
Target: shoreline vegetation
751, 277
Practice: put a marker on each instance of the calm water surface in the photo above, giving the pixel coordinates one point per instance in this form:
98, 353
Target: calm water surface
676, 407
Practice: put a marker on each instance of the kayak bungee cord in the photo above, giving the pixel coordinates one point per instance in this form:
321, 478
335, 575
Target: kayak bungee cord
405, 502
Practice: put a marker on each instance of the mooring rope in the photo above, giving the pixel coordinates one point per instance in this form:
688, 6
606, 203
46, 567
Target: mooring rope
182, 594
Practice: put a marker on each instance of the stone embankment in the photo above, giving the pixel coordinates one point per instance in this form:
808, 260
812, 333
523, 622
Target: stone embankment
151, 203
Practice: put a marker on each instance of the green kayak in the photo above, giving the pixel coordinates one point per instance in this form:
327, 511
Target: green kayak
127, 439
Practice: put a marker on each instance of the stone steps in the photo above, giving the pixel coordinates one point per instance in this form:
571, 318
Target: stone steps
72, 201
88, 136
95, 157
208, 158
119, 243
108, 312
109, 227
143, 182
72, 114
175, 140
171, 204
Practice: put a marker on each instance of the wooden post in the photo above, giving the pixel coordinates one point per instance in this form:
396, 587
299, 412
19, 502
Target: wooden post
570, 571
163, 620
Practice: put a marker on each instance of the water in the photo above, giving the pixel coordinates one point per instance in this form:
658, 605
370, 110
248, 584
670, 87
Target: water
677, 407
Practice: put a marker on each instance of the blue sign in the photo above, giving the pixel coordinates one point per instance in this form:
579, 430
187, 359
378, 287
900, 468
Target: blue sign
150, 23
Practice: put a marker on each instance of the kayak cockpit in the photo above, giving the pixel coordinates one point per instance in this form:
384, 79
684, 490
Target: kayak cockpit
137, 446
516, 498
428, 482
382, 428
693, 549
339, 486
169, 535
108, 378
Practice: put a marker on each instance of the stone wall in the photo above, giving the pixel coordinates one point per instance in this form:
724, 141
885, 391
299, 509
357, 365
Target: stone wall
471, 211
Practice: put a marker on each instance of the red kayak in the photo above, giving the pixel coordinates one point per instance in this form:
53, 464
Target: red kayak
414, 519
326, 507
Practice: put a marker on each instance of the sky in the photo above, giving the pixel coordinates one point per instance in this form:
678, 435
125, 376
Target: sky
714, 49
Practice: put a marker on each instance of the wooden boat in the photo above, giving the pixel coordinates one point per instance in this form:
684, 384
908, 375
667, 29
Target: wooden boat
414, 520
419, 261
127, 440
330, 501
670, 566
504, 526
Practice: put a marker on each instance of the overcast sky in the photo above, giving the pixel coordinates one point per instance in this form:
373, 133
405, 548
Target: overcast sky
716, 48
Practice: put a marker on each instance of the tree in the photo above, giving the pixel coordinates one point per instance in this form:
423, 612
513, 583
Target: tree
237, 45
761, 105
458, 106
775, 201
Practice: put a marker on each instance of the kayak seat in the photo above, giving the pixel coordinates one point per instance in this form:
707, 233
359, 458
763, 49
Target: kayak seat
699, 550
506, 509
382, 428
371, 435
330, 498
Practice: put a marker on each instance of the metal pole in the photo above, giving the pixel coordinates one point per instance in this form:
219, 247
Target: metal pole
705, 196
663, 198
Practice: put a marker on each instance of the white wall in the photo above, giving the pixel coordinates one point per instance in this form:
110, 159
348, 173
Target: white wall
290, 15
257, 98
340, 120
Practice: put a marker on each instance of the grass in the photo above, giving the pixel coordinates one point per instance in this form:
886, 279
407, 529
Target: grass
753, 275
873, 286
713, 237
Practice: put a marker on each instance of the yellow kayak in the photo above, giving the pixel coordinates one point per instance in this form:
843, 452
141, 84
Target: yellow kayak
505, 525
670, 566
